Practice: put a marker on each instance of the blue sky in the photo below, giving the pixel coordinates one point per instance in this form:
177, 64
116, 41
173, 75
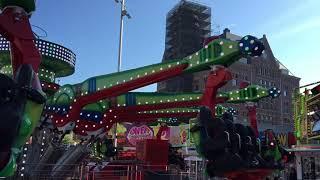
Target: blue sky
91, 30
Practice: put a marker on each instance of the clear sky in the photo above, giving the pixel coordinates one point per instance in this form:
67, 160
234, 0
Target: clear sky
91, 30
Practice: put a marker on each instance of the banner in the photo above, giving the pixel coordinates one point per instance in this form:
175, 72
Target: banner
136, 133
180, 136
129, 133
284, 139
165, 135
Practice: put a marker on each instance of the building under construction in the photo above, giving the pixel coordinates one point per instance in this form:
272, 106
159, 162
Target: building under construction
188, 24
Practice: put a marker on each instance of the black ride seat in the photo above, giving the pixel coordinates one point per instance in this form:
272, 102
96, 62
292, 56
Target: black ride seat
13, 97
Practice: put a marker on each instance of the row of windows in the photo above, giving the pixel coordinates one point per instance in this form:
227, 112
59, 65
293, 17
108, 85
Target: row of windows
241, 76
262, 117
287, 110
287, 107
287, 120
273, 121
266, 84
266, 72
268, 106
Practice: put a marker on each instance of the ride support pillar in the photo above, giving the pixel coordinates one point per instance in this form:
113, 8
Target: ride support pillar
252, 115
217, 78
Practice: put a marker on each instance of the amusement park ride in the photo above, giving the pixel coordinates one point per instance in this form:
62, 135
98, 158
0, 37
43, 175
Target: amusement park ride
307, 130
30, 97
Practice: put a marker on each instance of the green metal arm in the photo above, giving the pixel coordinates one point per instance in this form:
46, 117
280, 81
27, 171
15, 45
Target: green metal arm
219, 52
251, 93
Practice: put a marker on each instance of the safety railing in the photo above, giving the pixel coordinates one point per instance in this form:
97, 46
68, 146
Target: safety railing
102, 172
27, 171
143, 172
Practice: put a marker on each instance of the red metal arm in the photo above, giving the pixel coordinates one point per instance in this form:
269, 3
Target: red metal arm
15, 27
216, 79
252, 111
129, 114
252, 114
122, 88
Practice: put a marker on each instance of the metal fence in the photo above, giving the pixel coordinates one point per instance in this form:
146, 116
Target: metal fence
100, 172
46, 171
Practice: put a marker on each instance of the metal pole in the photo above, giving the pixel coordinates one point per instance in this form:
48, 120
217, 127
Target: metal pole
299, 166
119, 60
128, 171
196, 169
121, 35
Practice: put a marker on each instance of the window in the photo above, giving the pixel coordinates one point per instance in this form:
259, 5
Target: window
243, 60
196, 85
264, 55
234, 82
245, 120
284, 93
205, 79
286, 120
261, 82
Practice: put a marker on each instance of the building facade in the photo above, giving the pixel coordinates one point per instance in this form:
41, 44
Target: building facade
188, 25
266, 71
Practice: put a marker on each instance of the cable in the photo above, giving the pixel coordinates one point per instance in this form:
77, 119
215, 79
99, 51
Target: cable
318, 82
284, 67
45, 32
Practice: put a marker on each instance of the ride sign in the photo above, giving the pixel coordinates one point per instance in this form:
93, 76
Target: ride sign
137, 133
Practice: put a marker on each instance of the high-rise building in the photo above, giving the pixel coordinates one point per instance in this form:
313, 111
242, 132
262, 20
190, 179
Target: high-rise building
266, 71
188, 24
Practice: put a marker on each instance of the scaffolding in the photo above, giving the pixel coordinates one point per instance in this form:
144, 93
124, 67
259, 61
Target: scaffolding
188, 24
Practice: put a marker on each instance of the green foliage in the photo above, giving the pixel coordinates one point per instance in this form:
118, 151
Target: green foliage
69, 139
121, 129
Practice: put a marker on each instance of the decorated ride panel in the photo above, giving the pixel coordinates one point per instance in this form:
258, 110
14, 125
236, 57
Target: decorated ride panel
313, 117
307, 115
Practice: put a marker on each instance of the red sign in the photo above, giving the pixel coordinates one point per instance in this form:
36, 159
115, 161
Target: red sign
137, 133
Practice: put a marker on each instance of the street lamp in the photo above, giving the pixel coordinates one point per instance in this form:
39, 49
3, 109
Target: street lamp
123, 13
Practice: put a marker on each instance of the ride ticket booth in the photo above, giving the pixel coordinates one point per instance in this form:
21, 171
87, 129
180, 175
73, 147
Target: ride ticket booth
307, 161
